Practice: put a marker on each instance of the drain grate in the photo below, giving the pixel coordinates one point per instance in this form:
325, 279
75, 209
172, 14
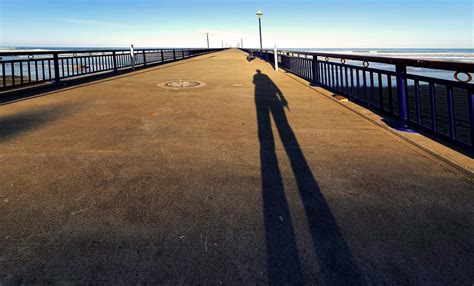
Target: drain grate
178, 84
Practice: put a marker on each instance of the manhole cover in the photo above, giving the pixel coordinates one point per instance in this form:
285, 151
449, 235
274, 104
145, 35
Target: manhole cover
178, 84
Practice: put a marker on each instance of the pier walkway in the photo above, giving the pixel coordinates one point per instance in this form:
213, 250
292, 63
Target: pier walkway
249, 178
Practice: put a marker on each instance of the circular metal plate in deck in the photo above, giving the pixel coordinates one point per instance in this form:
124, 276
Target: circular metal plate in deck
181, 84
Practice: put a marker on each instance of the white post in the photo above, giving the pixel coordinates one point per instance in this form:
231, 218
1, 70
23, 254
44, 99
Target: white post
132, 57
276, 58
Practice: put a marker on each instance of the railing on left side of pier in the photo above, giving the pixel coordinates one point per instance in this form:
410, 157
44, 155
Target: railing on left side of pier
443, 107
21, 69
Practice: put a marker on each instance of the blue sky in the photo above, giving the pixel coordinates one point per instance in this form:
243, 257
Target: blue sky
183, 23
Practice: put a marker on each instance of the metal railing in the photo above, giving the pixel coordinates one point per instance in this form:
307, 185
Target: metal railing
431, 96
20, 69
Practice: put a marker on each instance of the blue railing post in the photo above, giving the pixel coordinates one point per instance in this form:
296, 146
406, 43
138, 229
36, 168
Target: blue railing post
471, 115
114, 60
289, 62
401, 72
56, 67
144, 58
162, 58
315, 67
174, 54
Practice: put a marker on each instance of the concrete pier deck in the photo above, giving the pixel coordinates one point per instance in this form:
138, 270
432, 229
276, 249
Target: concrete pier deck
249, 179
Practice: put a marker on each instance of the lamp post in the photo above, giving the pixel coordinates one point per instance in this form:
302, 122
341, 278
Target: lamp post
207, 35
259, 16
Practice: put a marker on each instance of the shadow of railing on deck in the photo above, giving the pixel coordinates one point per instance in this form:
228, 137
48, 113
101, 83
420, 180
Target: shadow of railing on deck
21, 122
336, 265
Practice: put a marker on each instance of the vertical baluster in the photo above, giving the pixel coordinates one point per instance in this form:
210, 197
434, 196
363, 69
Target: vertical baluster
364, 85
470, 94
4, 76
390, 93
21, 72
418, 102
43, 71
341, 77
309, 69
380, 91
29, 70
333, 73
325, 73
327, 70
49, 70
433, 107
347, 80
329, 74
13, 73
352, 82
62, 68
372, 88
452, 126
358, 82
320, 71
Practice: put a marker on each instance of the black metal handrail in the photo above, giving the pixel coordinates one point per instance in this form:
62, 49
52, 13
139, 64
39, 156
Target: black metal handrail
432, 64
442, 107
20, 69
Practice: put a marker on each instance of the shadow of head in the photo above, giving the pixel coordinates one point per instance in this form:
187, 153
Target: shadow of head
18, 123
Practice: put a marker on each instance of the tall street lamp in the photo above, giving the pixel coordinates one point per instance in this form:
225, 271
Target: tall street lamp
259, 16
207, 35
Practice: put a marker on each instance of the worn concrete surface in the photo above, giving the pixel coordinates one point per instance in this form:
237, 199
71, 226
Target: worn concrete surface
251, 179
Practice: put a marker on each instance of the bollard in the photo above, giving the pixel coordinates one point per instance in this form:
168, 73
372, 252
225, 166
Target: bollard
132, 57
276, 58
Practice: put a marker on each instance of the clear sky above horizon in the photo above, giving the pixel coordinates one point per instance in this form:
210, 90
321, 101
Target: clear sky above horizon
289, 24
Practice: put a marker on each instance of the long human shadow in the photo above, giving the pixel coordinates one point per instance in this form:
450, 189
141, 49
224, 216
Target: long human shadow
336, 264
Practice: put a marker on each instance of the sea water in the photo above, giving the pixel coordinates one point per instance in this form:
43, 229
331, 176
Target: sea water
451, 55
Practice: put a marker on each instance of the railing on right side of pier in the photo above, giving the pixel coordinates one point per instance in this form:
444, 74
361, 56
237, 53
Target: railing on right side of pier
439, 106
21, 69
